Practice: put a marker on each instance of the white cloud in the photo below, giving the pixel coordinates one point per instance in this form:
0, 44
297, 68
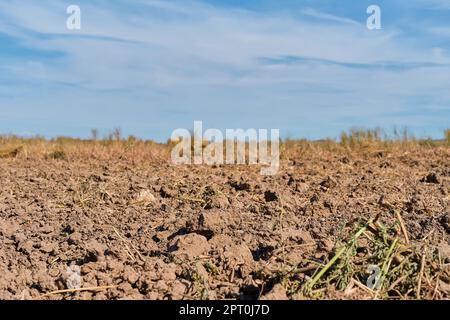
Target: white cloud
209, 44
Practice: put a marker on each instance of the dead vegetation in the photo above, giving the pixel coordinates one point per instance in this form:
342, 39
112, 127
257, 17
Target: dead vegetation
373, 142
379, 260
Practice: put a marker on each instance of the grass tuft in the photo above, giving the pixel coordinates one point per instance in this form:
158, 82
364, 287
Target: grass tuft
387, 269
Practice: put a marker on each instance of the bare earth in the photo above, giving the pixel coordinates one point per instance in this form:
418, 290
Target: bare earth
141, 228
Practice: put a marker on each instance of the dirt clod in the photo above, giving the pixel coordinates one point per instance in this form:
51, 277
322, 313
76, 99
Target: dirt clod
190, 246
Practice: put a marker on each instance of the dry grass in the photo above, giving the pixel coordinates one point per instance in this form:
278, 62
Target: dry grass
64, 148
403, 271
357, 141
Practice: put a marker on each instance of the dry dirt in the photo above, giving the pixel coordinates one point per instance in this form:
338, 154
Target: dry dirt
149, 230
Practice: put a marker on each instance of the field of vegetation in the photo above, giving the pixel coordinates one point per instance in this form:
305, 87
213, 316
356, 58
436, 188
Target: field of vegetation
366, 216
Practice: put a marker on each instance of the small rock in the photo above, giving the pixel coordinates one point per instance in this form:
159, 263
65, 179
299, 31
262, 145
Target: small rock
47, 247
8, 228
300, 236
178, 290
125, 287
95, 251
211, 222
326, 245
302, 187
75, 238
25, 246
152, 295
161, 286
168, 272
294, 257
45, 281
19, 237
238, 255
328, 182
219, 201
130, 275
145, 198
47, 229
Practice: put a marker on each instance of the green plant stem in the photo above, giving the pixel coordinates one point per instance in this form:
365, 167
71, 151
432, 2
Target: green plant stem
341, 251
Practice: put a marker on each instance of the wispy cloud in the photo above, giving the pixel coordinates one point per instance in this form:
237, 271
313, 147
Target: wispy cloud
329, 17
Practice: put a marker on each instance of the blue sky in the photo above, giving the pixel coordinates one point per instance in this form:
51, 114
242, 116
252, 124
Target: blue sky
308, 67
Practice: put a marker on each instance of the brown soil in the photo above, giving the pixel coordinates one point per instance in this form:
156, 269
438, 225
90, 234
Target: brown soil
150, 230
